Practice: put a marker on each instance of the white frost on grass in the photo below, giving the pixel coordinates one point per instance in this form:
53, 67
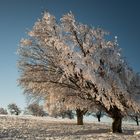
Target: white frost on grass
137, 132
48, 128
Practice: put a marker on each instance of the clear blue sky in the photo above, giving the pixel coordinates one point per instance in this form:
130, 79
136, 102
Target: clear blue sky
119, 17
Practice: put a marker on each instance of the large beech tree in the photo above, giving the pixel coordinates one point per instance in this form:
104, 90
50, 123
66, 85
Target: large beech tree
72, 60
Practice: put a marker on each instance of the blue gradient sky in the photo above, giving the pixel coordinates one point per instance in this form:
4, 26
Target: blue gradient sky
119, 17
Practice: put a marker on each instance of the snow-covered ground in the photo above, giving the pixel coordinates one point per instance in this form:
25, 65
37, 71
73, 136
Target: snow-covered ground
47, 128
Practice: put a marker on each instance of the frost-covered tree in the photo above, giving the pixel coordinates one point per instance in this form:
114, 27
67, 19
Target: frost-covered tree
97, 113
14, 109
56, 105
3, 111
64, 114
72, 60
36, 110
68, 114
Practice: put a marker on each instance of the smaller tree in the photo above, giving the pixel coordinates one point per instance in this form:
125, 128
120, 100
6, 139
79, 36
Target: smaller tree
98, 115
14, 109
67, 114
3, 111
36, 110
135, 117
26, 112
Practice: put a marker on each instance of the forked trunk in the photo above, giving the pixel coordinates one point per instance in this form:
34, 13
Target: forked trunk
79, 114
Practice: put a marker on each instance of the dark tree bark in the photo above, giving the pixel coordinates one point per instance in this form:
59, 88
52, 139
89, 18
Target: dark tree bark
116, 115
117, 125
98, 117
137, 120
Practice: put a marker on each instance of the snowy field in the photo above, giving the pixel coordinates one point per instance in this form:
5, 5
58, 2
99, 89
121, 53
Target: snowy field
36, 128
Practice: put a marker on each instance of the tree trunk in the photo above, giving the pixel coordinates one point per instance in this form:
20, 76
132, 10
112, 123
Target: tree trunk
137, 120
117, 125
116, 115
79, 114
98, 117
98, 114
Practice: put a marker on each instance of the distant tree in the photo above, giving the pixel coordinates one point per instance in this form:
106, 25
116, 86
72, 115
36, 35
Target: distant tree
67, 114
3, 111
36, 110
26, 112
14, 109
98, 113
135, 117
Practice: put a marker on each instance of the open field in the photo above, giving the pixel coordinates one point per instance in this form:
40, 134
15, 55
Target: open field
36, 128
